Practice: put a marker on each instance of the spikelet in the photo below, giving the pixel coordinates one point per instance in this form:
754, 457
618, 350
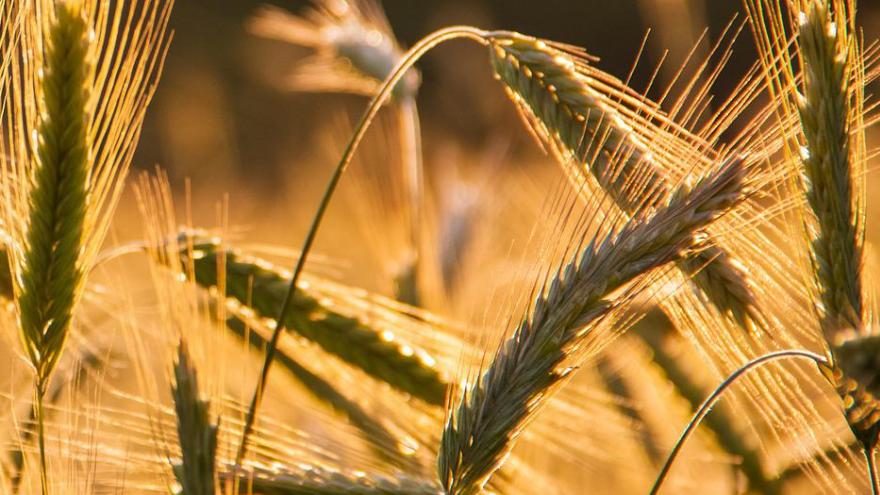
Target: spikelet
51, 273
492, 412
557, 93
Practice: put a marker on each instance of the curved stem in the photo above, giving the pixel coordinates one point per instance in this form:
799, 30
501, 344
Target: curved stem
870, 456
716, 394
405, 64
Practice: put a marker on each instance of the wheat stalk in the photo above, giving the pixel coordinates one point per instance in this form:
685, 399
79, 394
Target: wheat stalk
400, 70
257, 285
706, 407
87, 361
552, 87
196, 431
492, 412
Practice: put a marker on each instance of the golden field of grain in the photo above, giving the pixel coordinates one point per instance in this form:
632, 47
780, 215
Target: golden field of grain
273, 249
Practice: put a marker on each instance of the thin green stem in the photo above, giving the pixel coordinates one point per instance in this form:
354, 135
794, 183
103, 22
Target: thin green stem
716, 394
376, 104
870, 456
39, 392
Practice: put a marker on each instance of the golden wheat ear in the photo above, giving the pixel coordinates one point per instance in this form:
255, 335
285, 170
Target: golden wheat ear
831, 95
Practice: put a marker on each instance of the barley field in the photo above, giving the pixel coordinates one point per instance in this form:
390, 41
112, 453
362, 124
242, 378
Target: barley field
452, 248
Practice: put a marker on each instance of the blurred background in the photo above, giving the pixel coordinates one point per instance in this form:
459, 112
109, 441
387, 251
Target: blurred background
221, 110
224, 116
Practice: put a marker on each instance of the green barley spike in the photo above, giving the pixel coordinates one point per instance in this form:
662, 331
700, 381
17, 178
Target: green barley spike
51, 272
263, 289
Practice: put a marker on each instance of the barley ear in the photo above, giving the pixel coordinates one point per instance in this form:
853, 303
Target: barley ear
826, 49
481, 429
197, 434
825, 108
554, 88
257, 285
51, 271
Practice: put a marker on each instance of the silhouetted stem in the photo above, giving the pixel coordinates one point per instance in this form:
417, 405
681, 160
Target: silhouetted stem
716, 394
405, 64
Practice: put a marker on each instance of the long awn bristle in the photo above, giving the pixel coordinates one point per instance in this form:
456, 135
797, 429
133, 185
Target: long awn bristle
492, 412
51, 271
